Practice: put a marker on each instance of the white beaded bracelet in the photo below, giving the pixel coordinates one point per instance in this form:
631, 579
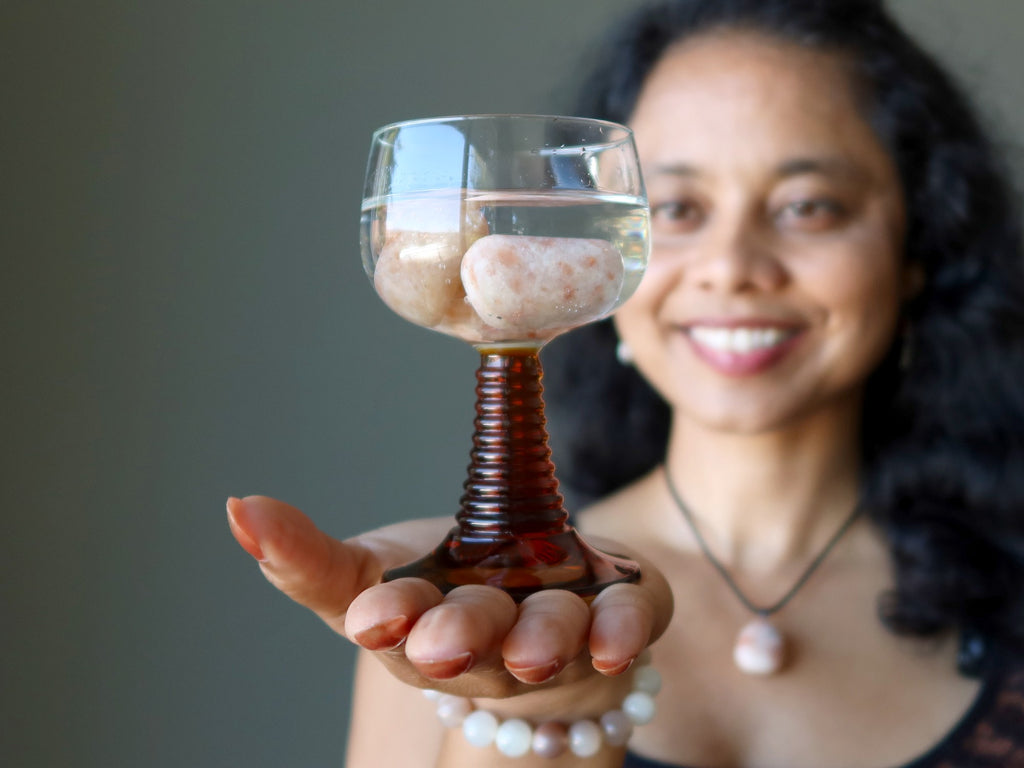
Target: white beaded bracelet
516, 737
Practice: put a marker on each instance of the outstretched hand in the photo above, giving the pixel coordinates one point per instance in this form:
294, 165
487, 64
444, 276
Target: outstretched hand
474, 641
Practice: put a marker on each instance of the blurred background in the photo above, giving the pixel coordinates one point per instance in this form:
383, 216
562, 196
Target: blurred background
185, 317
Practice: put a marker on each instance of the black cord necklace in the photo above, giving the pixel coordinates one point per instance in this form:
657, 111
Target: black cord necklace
759, 647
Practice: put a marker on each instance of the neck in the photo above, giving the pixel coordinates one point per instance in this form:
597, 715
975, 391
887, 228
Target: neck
765, 501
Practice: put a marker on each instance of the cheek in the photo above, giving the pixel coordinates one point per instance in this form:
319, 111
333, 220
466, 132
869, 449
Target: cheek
861, 296
643, 306
637, 324
867, 287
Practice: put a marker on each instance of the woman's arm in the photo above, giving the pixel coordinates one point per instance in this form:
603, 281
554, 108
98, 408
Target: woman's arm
392, 723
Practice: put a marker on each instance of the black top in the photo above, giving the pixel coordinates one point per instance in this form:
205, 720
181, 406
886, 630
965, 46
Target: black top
989, 735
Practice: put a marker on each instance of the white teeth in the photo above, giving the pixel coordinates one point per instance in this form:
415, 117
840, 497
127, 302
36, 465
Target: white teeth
738, 340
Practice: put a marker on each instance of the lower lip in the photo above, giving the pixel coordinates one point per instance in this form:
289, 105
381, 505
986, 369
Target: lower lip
738, 364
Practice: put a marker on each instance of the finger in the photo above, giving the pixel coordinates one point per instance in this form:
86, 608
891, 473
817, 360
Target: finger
465, 630
628, 617
551, 631
306, 564
380, 618
623, 620
312, 568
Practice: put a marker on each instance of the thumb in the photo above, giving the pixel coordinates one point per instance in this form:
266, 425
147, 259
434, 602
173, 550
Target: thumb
313, 569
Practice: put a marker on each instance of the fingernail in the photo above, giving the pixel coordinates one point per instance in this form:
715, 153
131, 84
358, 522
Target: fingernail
540, 673
447, 668
236, 508
611, 668
385, 635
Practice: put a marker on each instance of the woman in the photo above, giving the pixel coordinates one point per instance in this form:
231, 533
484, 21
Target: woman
810, 442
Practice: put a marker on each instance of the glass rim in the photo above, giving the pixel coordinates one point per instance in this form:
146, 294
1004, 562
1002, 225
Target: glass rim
525, 116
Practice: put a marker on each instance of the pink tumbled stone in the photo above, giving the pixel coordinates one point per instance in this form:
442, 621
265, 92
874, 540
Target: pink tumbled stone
417, 275
525, 285
417, 268
550, 739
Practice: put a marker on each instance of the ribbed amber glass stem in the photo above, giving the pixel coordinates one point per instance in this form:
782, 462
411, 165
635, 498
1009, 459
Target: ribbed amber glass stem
511, 489
513, 529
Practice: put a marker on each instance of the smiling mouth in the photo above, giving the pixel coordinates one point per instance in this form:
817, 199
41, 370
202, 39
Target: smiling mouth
740, 340
742, 350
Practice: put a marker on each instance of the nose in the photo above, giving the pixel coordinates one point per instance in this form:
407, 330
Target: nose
735, 257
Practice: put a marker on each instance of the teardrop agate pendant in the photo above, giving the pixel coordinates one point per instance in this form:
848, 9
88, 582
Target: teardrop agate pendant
760, 648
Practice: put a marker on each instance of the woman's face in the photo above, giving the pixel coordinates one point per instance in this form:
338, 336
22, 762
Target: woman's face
776, 275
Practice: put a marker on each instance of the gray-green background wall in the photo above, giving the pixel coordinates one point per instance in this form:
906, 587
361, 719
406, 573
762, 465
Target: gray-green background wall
185, 317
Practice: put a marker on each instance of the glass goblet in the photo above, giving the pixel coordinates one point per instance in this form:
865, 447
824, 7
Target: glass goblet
505, 231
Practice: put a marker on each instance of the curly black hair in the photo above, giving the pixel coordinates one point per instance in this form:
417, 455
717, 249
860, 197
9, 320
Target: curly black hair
942, 436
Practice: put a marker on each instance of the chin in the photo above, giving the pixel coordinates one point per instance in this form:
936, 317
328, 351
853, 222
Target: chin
746, 426
731, 420
744, 416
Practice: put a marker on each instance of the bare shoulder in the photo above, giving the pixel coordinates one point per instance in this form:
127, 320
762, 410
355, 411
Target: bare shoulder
626, 515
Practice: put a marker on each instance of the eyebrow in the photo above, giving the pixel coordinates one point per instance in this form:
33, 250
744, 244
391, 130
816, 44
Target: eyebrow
826, 166
675, 169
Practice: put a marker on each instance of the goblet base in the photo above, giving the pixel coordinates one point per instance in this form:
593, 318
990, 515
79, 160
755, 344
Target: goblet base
522, 565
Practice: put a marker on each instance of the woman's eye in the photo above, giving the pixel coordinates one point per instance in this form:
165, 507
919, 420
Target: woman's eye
677, 216
812, 215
